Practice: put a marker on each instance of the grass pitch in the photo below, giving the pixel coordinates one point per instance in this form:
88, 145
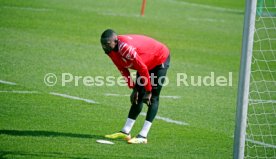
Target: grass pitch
40, 37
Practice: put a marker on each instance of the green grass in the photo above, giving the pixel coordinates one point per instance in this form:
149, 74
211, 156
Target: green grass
39, 37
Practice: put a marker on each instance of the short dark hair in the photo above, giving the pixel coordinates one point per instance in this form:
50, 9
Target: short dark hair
108, 33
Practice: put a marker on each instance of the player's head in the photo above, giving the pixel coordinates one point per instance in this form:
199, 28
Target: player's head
109, 40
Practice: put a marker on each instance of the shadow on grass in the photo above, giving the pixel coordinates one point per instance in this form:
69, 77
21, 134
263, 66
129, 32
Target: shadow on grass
12, 154
24, 154
40, 133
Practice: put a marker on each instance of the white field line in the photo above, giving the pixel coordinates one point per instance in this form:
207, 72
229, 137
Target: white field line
20, 92
259, 101
173, 97
206, 19
118, 14
7, 82
52, 93
168, 120
116, 95
28, 8
93, 102
73, 97
125, 95
206, 6
261, 143
183, 3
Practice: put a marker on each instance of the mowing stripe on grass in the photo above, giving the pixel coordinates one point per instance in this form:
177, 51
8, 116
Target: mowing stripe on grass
7, 82
168, 120
261, 143
20, 92
28, 8
125, 95
93, 102
73, 97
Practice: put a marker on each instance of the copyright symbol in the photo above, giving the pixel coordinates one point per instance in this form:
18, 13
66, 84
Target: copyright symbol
50, 79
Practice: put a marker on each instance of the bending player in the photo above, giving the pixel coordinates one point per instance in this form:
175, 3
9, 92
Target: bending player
150, 58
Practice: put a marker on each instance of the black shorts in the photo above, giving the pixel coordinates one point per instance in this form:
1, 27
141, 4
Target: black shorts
157, 75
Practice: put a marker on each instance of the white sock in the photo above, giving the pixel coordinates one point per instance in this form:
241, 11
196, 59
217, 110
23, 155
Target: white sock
128, 125
144, 132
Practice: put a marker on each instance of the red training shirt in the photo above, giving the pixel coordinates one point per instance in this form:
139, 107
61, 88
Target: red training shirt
140, 53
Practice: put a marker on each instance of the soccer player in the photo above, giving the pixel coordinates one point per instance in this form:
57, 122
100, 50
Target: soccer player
151, 60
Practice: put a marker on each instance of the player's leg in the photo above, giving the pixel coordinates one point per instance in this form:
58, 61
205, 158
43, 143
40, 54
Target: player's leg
159, 72
134, 111
153, 108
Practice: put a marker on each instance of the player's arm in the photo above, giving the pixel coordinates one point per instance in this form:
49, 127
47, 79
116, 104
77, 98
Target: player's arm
131, 84
126, 74
142, 69
129, 53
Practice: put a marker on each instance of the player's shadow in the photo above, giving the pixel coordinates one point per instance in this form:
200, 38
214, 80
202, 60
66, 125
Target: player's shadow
40, 133
25, 154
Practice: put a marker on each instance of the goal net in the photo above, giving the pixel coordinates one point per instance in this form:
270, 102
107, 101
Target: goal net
260, 140
255, 132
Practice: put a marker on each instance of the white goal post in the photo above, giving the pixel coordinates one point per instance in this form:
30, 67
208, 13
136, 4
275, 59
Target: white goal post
255, 131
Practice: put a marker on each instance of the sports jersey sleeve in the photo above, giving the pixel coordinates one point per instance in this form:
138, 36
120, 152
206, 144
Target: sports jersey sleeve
126, 74
129, 53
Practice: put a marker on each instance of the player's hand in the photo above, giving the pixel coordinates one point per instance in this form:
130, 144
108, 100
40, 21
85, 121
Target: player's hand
134, 96
147, 98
